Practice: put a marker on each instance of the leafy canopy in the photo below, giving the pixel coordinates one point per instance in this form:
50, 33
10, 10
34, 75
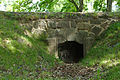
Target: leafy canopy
57, 5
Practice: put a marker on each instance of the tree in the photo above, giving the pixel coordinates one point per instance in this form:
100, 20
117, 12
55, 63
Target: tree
48, 6
78, 7
118, 5
29, 5
109, 5
61, 5
22, 6
100, 5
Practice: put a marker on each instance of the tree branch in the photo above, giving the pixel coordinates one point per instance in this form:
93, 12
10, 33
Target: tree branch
81, 5
72, 1
109, 5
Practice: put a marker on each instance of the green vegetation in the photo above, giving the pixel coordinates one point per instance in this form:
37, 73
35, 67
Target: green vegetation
106, 53
60, 5
113, 73
22, 55
25, 56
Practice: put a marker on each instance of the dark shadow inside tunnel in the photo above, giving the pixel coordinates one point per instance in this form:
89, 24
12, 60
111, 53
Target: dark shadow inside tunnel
70, 51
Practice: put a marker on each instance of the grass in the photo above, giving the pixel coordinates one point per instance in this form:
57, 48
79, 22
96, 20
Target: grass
113, 73
21, 55
106, 52
25, 56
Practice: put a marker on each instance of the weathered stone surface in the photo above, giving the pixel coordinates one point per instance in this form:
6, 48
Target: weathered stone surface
52, 45
51, 24
86, 20
62, 24
104, 25
60, 27
72, 24
89, 42
96, 21
80, 36
42, 23
83, 26
91, 34
96, 30
71, 37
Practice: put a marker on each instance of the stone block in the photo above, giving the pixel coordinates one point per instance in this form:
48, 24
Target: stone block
42, 23
96, 30
72, 24
91, 34
62, 24
96, 21
81, 35
71, 37
78, 20
83, 26
104, 25
52, 42
86, 21
51, 24
89, 42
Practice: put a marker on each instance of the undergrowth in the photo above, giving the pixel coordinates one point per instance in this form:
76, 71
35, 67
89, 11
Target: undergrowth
106, 53
22, 56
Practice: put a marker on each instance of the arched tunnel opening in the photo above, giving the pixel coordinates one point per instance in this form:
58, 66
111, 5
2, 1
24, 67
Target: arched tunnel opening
70, 51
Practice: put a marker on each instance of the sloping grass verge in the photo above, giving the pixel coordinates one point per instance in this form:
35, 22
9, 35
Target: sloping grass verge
106, 52
21, 56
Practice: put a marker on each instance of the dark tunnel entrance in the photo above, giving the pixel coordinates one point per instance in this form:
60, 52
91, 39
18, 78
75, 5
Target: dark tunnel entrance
70, 51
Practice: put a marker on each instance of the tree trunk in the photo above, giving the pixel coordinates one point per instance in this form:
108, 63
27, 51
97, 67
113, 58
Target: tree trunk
81, 5
109, 5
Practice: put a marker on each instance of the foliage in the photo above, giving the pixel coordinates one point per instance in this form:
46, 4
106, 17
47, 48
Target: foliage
68, 7
118, 4
113, 73
55, 5
100, 5
22, 5
29, 5
46, 6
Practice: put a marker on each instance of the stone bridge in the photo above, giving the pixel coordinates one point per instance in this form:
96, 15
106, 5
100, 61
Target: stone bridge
69, 34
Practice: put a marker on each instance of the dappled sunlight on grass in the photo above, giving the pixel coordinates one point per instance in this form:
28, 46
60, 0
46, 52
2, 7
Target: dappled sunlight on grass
110, 63
24, 40
106, 53
105, 61
20, 52
8, 44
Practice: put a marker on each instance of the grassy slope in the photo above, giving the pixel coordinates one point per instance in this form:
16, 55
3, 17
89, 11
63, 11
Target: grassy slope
20, 55
106, 53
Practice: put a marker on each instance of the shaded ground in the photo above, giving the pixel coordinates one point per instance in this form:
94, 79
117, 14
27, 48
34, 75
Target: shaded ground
59, 72
74, 71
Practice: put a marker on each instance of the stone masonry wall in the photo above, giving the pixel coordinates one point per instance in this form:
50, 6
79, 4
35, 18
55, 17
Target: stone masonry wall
60, 27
